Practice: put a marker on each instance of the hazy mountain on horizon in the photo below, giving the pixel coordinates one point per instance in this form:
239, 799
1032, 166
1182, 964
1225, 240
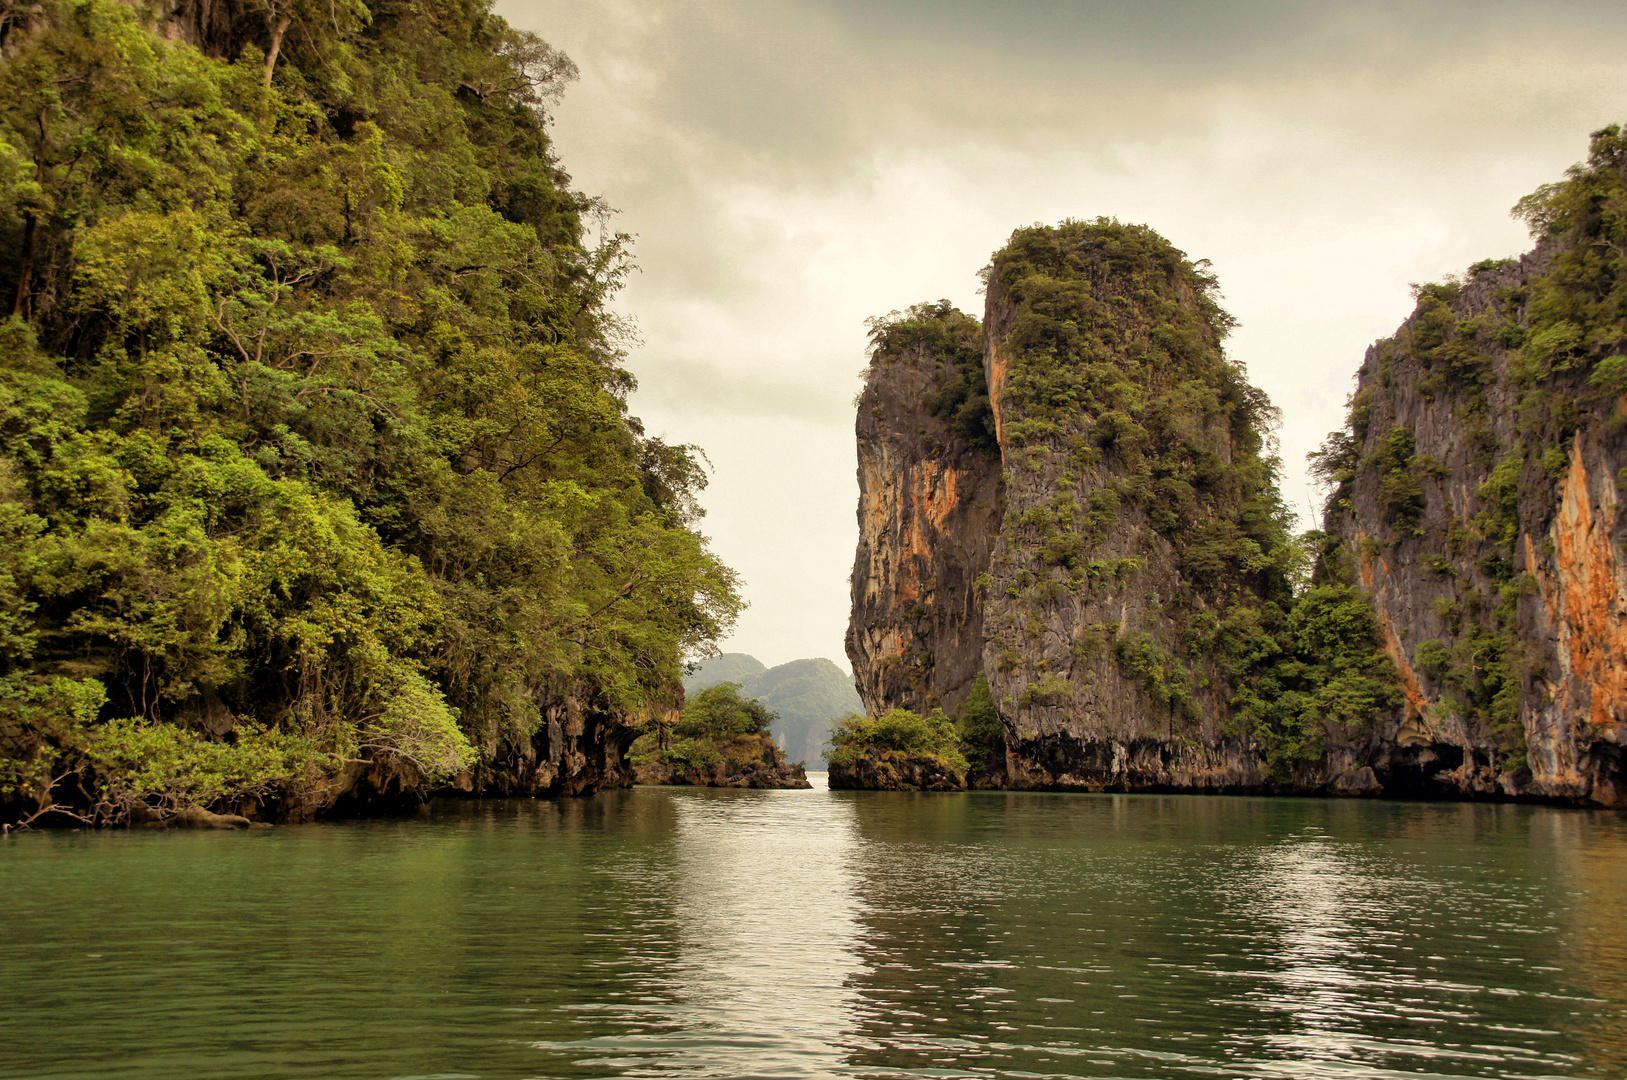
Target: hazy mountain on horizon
808, 695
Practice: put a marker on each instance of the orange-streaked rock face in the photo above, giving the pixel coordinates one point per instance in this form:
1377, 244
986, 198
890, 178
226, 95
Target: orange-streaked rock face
928, 512
1587, 599
1577, 708
1530, 699
1511, 661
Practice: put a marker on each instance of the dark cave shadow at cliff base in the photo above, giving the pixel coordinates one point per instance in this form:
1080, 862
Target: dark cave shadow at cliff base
1426, 772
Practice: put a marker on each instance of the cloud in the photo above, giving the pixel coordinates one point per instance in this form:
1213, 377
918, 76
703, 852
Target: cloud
792, 168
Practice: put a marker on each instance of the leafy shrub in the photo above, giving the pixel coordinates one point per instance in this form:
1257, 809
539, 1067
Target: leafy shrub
166, 766
901, 731
1316, 667
1500, 495
1048, 691
1400, 487
721, 710
717, 724
1163, 677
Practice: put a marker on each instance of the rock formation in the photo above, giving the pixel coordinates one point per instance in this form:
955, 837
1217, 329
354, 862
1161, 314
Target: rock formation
743, 762
1077, 555
1088, 515
1477, 490
929, 511
889, 770
1131, 448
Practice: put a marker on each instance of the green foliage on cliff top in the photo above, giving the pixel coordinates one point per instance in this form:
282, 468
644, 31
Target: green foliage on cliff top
1578, 309
313, 444
1115, 356
723, 710
954, 341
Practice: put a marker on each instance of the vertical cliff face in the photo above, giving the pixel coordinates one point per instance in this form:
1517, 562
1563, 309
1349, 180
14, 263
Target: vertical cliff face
1477, 489
929, 510
1138, 514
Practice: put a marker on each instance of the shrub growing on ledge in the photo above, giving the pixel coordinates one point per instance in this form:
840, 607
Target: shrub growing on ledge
981, 733
901, 731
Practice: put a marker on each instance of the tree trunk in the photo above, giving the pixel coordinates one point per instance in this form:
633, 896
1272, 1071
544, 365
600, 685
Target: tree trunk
25, 271
276, 47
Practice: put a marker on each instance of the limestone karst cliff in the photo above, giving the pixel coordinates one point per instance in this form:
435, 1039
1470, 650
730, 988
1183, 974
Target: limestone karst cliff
1075, 498
1117, 561
1476, 488
929, 510
1134, 491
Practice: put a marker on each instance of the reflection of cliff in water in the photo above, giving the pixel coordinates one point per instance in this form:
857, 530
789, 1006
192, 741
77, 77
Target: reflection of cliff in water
1592, 941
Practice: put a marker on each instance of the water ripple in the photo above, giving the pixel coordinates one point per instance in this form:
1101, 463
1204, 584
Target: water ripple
684, 933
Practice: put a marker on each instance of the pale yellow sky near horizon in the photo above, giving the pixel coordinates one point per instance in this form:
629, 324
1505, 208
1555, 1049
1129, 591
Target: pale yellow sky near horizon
793, 168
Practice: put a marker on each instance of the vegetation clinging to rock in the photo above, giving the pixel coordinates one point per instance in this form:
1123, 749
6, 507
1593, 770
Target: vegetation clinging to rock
900, 731
716, 724
313, 438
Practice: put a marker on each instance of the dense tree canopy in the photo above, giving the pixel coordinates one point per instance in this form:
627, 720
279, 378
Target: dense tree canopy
313, 434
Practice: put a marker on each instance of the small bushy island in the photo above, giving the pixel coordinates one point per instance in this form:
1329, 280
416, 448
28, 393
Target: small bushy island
809, 696
908, 751
720, 739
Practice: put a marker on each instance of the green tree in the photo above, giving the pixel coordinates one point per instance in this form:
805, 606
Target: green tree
314, 445
899, 731
721, 710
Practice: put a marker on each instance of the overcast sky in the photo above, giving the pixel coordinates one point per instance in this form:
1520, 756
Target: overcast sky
793, 167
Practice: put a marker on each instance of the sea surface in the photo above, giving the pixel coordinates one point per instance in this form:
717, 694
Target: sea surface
670, 932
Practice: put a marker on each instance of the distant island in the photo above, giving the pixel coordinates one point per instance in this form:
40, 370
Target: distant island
809, 696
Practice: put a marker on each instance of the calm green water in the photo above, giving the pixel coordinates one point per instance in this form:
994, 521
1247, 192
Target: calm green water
670, 932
